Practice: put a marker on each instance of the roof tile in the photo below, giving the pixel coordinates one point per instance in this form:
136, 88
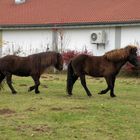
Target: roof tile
68, 11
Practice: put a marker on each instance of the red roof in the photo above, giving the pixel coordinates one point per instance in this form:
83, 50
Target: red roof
36, 12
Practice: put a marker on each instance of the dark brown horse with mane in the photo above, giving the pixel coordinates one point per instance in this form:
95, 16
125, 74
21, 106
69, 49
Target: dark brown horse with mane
107, 66
32, 65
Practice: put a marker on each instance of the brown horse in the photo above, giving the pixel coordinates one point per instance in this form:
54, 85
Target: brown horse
107, 66
32, 65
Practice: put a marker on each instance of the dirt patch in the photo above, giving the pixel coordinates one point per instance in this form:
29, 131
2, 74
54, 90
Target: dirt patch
38, 128
56, 109
6, 111
23, 128
44, 77
31, 109
79, 108
22, 85
49, 77
42, 128
44, 86
56, 78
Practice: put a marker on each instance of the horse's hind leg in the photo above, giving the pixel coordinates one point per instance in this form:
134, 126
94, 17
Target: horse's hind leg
9, 82
2, 76
70, 84
83, 82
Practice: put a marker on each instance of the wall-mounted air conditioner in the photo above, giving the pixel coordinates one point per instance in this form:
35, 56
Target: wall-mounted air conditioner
98, 37
20, 1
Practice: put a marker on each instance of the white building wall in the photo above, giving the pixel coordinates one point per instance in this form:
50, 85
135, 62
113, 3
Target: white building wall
26, 42
34, 41
80, 39
130, 35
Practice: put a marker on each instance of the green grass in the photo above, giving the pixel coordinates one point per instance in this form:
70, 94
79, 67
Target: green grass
51, 115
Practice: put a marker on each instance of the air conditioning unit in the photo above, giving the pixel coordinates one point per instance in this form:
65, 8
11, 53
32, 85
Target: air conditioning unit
98, 37
20, 1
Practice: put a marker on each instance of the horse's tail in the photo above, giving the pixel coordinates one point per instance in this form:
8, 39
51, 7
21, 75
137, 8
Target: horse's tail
71, 78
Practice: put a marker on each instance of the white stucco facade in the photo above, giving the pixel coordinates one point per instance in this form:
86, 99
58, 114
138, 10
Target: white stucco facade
25, 42
130, 35
80, 39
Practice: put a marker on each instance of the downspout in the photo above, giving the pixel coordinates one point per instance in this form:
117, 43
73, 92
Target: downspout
0, 43
117, 37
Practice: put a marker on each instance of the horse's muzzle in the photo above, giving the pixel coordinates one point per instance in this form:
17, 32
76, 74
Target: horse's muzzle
60, 68
137, 64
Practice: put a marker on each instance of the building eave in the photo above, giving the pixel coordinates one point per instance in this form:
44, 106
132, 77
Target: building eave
69, 25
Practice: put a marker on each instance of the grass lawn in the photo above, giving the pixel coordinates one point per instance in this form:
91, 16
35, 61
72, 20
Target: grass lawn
51, 115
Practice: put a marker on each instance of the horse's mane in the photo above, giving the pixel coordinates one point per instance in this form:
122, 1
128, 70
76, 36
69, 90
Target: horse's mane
47, 58
119, 54
43, 59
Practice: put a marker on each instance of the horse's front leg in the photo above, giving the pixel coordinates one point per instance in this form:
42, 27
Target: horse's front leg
9, 82
112, 86
83, 82
104, 91
110, 82
31, 88
37, 83
108, 87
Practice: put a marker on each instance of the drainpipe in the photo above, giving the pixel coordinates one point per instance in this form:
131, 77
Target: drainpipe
0, 43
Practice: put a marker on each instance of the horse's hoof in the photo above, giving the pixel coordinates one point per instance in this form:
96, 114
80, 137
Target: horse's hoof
101, 92
89, 95
29, 90
113, 95
37, 92
69, 95
14, 92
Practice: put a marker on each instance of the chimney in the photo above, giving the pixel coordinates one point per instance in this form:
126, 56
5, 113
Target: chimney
20, 1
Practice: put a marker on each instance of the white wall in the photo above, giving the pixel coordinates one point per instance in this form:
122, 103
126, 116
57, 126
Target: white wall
33, 41
130, 35
79, 39
27, 41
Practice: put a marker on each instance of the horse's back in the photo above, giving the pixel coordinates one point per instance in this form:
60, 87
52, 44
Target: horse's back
90, 65
79, 59
12, 60
7, 60
78, 63
14, 64
25, 66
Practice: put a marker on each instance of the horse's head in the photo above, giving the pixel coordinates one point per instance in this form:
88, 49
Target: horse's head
132, 57
59, 63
